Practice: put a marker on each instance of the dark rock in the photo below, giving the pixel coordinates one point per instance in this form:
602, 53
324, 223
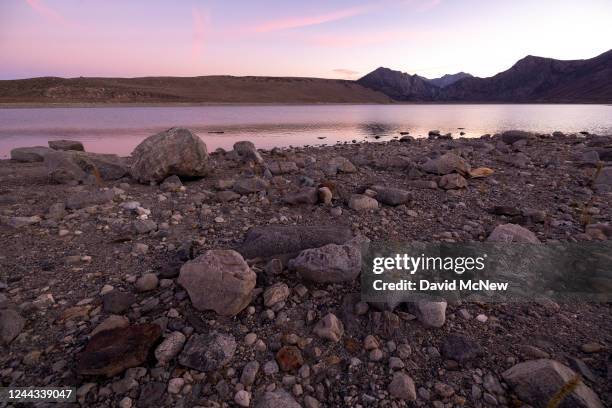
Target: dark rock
246, 151
30, 154
267, 241
11, 324
151, 394
117, 302
305, 195
110, 352
513, 136
66, 145
391, 196
460, 348
89, 198
289, 358
208, 352
171, 184
250, 185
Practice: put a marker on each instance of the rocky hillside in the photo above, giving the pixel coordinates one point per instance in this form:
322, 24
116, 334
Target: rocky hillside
532, 79
205, 89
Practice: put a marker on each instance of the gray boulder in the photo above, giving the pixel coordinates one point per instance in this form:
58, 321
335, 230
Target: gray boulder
282, 167
445, 164
30, 154
507, 233
218, 280
66, 145
268, 241
176, 151
328, 264
391, 196
538, 381
246, 151
430, 312
250, 185
208, 352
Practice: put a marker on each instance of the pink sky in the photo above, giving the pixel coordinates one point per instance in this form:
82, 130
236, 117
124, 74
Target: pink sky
333, 39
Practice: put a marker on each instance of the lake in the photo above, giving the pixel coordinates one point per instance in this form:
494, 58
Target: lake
120, 129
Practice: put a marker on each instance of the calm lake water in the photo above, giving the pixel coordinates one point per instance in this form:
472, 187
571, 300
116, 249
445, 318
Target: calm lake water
120, 129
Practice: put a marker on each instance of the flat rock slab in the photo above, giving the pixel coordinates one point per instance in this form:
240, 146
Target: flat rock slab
537, 381
66, 145
111, 352
267, 241
208, 352
30, 154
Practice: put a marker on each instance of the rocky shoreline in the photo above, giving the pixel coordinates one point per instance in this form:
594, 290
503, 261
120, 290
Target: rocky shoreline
179, 277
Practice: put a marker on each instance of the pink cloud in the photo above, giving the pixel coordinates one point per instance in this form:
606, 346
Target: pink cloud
297, 22
47, 12
346, 73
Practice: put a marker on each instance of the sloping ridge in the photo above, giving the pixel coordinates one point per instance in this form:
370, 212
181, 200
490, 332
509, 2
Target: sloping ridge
531, 79
204, 89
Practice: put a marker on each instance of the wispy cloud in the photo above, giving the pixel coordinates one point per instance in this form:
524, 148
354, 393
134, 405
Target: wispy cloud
363, 38
305, 21
45, 11
200, 21
346, 73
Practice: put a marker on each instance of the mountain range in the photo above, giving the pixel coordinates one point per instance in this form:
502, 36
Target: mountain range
531, 79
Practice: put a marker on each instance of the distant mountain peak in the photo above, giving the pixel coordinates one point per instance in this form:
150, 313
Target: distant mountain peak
449, 79
530, 79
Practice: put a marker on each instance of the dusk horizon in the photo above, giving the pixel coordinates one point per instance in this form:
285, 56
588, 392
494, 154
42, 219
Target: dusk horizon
343, 39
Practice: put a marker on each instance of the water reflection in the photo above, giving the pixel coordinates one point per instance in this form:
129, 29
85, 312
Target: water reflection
120, 129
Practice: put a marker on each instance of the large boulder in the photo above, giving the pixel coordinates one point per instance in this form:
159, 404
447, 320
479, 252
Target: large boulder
268, 241
218, 280
66, 145
331, 263
208, 352
446, 164
110, 352
30, 154
507, 233
175, 151
538, 381
430, 312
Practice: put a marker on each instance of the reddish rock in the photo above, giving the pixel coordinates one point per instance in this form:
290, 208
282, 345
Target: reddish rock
289, 358
111, 352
